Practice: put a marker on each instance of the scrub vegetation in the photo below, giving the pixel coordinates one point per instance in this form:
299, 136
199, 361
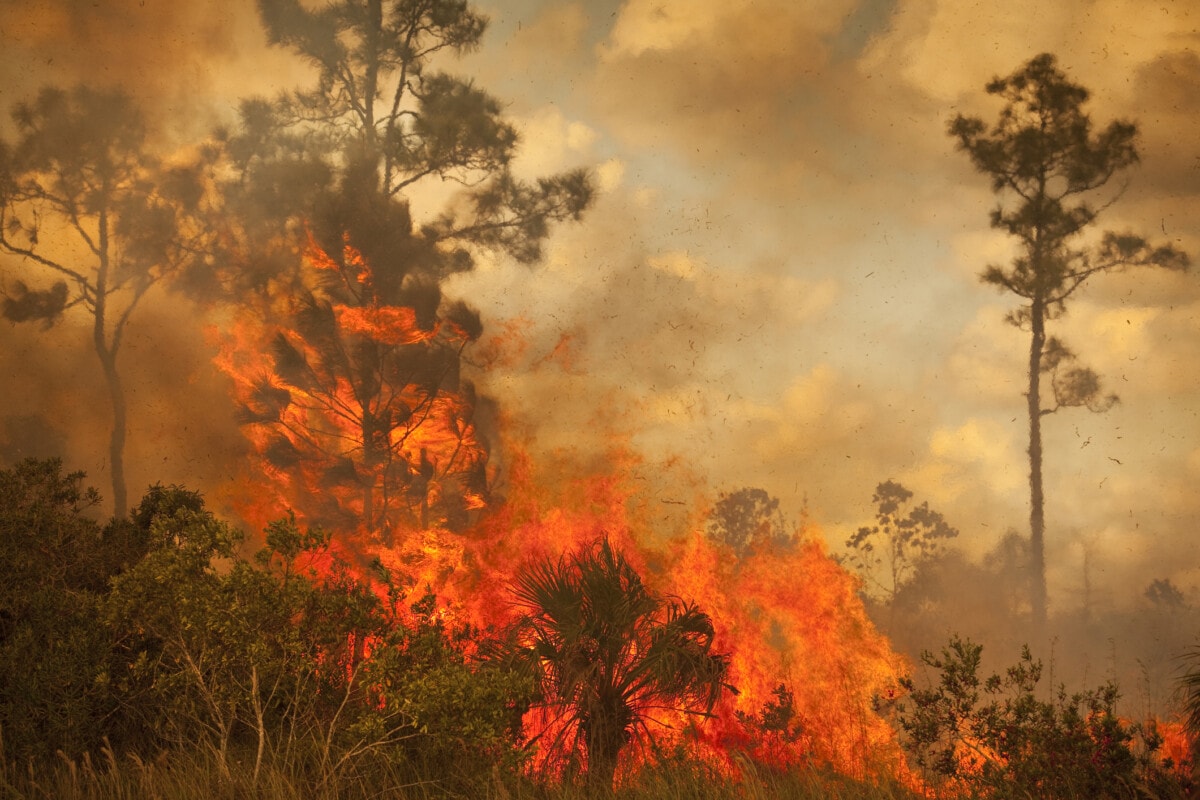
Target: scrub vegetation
169, 653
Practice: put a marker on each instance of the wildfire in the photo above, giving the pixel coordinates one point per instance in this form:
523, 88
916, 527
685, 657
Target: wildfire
355, 408
1177, 747
359, 422
791, 617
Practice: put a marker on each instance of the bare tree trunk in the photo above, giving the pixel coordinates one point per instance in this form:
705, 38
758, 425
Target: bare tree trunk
259, 724
107, 351
1037, 500
116, 441
604, 738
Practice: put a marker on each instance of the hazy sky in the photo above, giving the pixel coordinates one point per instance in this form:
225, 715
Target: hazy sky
778, 284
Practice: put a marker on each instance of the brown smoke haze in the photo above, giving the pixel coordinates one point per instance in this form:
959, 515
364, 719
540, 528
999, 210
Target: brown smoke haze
776, 288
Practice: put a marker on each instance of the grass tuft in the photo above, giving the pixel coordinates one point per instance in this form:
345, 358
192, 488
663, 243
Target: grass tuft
198, 776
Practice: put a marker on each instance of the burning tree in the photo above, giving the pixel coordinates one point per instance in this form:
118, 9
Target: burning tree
84, 201
607, 655
348, 374
1048, 170
361, 398
782, 616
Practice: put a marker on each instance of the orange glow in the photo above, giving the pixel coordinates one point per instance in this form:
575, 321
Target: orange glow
793, 617
356, 412
1177, 746
789, 617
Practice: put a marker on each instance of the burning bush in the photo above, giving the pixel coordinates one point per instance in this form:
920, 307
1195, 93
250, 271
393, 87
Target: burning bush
996, 737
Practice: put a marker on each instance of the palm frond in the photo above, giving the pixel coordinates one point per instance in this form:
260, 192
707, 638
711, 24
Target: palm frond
609, 654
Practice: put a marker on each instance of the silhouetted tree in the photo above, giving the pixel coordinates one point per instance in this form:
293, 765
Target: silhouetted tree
1008, 564
607, 655
746, 518
1164, 594
84, 202
1049, 171
367, 355
903, 537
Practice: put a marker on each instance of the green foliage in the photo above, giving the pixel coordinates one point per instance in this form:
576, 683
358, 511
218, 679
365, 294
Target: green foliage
48, 539
458, 710
294, 655
156, 636
606, 654
996, 737
52, 654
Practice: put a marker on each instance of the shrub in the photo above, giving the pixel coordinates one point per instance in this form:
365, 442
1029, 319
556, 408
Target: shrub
996, 737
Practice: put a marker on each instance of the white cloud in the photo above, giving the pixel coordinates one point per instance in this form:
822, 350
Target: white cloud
949, 49
550, 142
657, 25
610, 174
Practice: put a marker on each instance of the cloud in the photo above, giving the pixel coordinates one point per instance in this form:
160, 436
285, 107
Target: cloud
555, 34
949, 50
550, 142
817, 414
979, 452
1164, 98
987, 365
186, 63
769, 29
712, 78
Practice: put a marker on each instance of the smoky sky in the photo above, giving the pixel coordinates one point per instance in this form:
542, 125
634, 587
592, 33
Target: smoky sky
778, 284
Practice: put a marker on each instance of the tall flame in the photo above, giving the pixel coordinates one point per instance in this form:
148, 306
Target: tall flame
809, 666
356, 411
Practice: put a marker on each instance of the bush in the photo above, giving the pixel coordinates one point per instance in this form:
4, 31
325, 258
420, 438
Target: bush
53, 657
296, 658
155, 637
997, 738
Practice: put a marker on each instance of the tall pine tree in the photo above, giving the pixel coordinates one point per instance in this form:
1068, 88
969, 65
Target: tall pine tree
1051, 174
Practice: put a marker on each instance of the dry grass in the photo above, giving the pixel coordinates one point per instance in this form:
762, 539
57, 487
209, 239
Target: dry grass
197, 777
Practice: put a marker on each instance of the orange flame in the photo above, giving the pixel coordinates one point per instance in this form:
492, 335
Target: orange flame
362, 425
789, 616
1177, 748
